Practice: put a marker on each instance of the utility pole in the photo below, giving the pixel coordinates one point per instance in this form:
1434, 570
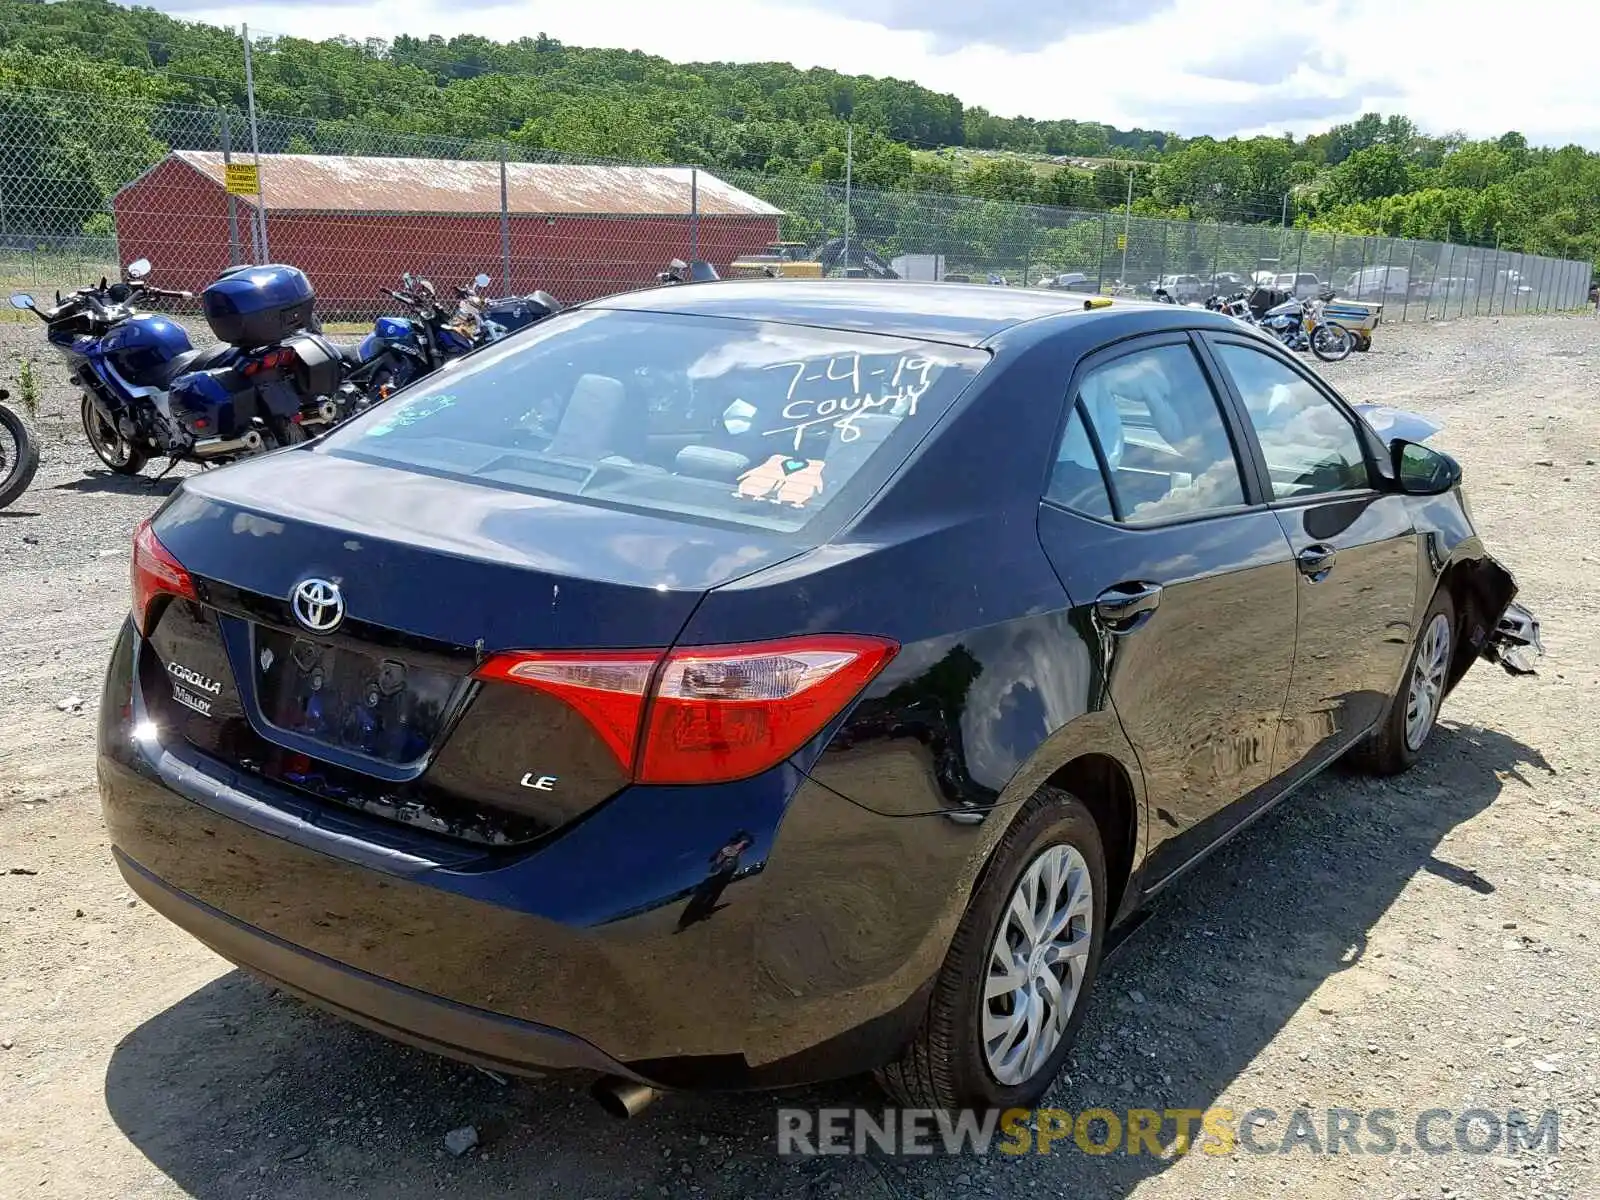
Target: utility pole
1127, 222
255, 149
849, 157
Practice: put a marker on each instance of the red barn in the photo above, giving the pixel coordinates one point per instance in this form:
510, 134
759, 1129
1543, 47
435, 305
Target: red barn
354, 225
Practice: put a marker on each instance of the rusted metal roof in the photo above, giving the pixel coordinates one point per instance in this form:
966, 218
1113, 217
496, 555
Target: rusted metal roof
343, 183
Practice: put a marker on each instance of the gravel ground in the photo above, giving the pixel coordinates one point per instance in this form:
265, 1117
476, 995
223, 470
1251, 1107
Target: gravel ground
1413, 944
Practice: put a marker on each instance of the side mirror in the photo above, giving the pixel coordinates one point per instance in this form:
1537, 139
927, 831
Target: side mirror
139, 268
1422, 471
480, 280
23, 301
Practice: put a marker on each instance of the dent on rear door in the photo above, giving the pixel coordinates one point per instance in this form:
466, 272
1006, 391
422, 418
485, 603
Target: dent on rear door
1356, 622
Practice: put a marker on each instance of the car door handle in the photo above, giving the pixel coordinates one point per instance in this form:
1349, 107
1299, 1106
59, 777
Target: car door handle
1124, 607
1316, 561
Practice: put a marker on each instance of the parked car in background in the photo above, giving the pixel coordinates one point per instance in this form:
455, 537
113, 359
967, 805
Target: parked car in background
612, 708
1071, 281
1226, 283
1377, 283
1181, 288
1302, 285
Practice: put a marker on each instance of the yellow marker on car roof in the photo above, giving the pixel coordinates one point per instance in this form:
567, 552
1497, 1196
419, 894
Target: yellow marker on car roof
1097, 302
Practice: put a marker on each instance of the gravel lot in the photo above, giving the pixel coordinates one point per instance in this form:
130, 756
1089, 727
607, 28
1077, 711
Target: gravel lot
1414, 944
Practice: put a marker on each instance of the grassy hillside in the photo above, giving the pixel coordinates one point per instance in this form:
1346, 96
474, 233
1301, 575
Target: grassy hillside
1375, 175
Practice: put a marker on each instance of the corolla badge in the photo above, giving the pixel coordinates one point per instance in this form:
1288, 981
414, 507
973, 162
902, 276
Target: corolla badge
318, 604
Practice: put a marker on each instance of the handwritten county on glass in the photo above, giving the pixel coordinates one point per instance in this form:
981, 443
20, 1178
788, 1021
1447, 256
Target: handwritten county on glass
893, 389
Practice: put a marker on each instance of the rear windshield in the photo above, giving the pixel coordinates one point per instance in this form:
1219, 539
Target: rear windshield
749, 422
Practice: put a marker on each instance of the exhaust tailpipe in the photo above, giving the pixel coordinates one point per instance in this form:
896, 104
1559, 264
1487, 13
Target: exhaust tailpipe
248, 443
623, 1098
321, 414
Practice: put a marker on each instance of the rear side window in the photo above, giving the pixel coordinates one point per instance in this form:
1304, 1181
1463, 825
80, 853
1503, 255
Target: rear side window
1160, 432
745, 421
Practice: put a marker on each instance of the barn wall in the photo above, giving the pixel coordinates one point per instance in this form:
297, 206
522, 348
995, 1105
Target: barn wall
178, 219
581, 257
351, 257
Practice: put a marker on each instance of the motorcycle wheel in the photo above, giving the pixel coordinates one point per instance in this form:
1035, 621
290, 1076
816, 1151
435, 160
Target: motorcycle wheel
19, 455
1331, 343
285, 433
110, 447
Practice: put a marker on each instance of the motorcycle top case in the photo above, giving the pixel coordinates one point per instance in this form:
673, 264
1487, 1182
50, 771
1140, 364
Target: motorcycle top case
517, 311
256, 306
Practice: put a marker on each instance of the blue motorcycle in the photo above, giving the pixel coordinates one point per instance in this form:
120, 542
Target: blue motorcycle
271, 380
400, 350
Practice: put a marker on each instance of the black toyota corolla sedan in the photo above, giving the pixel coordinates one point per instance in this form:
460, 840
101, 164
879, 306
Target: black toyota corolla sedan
742, 684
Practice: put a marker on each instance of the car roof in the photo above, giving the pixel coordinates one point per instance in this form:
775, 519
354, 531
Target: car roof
955, 313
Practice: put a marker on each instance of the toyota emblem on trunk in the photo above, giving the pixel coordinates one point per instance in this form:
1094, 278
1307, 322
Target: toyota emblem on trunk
317, 604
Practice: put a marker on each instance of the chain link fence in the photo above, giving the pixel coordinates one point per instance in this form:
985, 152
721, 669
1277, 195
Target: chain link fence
86, 187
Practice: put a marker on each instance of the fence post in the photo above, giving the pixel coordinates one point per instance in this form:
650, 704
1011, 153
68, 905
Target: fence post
1299, 253
505, 225
1100, 268
262, 253
849, 163
1411, 271
1127, 225
235, 249
694, 215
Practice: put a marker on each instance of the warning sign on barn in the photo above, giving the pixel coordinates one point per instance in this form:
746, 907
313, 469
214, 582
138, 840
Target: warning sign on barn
243, 179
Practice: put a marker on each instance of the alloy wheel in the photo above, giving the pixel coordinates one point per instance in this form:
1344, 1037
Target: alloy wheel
1037, 964
1427, 681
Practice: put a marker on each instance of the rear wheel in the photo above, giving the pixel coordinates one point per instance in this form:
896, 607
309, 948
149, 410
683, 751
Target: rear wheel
1398, 742
1009, 1000
284, 432
106, 440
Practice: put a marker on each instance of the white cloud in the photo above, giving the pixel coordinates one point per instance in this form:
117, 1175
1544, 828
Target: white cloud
1194, 66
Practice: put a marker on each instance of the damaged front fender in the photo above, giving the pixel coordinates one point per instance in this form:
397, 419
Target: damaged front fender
1515, 642
1512, 634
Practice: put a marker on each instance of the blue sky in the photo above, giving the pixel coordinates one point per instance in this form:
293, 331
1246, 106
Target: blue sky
1194, 66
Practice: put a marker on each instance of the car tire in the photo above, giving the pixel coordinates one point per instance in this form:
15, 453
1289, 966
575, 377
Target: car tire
1397, 743
949, 1064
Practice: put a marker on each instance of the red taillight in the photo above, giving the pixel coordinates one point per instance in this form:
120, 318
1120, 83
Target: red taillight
729, 712
713, 713
607, 687
155, 573
271, 360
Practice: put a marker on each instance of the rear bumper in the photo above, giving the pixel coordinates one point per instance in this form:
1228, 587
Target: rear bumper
405, 1014
610, 946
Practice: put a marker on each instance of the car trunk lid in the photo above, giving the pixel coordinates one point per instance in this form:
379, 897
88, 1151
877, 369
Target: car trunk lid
384, 711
